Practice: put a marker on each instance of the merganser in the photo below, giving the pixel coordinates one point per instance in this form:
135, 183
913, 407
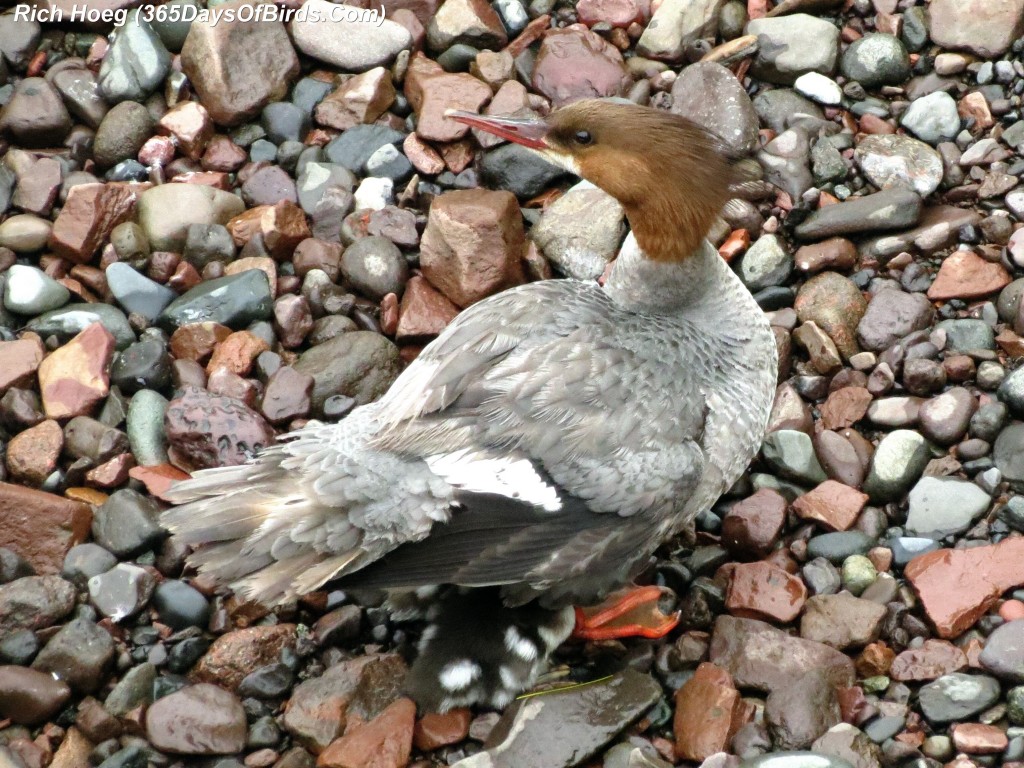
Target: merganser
536, 453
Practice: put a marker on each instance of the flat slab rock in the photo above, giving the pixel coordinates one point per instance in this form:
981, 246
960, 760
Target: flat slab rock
559, 730
41, 527
958, 586
765, 658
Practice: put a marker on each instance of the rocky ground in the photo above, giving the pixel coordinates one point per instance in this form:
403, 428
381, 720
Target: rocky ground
212, 233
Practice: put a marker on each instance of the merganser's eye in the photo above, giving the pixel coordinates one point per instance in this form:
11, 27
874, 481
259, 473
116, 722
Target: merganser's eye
583, 138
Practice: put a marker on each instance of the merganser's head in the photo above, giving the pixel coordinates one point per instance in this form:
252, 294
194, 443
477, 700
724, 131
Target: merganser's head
670, 175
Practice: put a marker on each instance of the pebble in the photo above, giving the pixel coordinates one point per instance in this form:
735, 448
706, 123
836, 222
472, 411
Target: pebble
237, 68
197, 720
710, 95
581, 231
24, 233
892, 160
766, 263
819, 88
957, 587
1003, 654
80, 654
538, 729
943, 506
75, 378
801, 711
764, 658
932, 118
29, 697
127, 523
841, 621
933, 659
121, 592
349, 45
986, 29
136, 292
790, 46
136, 62
30, 291
876, 59
957, 696
893, 208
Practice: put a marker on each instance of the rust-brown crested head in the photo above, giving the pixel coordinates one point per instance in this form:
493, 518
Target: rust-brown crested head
671, 176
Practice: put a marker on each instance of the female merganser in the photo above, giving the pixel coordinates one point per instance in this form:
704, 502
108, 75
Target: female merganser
535, 454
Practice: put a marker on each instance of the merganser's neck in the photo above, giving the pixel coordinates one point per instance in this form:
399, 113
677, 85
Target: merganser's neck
641, 284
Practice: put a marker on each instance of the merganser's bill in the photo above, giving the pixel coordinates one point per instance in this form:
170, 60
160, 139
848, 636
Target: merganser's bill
535, 455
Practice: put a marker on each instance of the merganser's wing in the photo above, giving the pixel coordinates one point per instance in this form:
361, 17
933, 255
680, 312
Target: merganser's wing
563, 445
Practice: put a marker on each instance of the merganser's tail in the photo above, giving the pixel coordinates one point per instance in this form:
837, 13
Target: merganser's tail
307, 510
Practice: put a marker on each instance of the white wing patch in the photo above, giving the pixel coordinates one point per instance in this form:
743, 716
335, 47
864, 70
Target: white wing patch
460, 674
509, 476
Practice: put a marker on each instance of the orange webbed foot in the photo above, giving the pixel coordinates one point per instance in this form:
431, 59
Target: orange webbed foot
631, 612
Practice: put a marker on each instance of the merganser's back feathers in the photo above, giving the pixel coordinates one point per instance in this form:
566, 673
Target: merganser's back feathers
540, 448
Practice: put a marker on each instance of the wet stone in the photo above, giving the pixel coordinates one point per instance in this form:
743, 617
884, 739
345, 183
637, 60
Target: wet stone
957, 697
235, 654
762, 657
841, 621
233, 300
34, 602
207, 430
122, 591
943, 506
889, 209
29, 697
80, 654
801, 711
933, 659
127, 523
136, 62
562, 729
1003, 654
197, 720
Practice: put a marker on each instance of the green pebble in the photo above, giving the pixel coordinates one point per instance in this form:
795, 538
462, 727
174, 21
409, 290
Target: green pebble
858, 574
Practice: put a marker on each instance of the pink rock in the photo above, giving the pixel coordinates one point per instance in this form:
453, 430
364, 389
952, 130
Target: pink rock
763, 591
190, 124
75, 378
21, 361
958, 586
423, 312
447, 91
89, 216
834, 505
573, 63
709, 711
618, 13
473, 244
360, 99
158, 150
965, 275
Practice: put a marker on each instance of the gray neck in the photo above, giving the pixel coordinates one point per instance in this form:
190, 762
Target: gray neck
639, 284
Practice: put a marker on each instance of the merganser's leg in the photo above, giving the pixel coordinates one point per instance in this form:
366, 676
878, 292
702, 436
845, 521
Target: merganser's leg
633, 612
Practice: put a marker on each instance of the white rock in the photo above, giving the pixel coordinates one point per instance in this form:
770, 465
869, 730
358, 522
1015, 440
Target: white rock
819, 88
30, 291
374, 193
338, 38
581, 231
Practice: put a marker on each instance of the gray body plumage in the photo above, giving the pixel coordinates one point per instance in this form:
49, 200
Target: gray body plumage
545, 443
